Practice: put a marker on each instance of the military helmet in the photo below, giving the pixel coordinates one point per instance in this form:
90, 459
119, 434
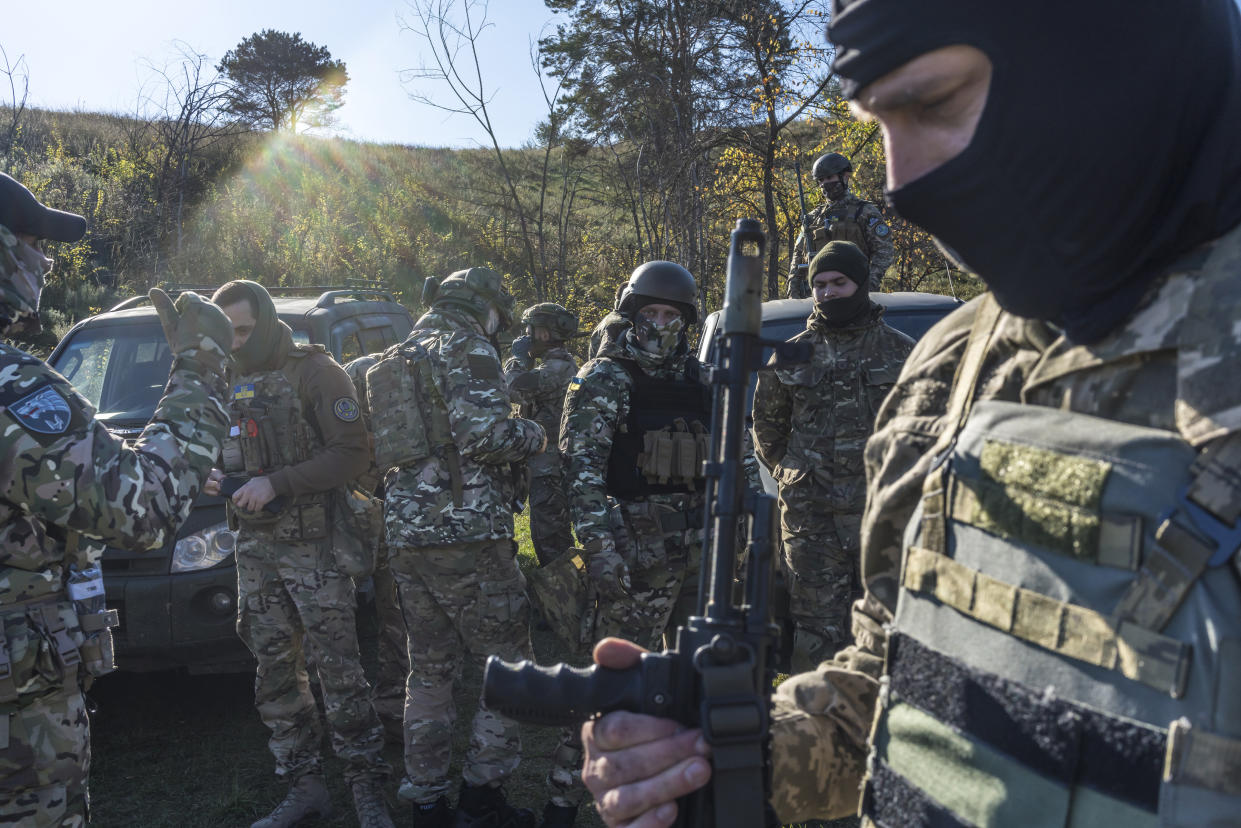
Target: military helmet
477, 290
560, 322
666, 283
831, 164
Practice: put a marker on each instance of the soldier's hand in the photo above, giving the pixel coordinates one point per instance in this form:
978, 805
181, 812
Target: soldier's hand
637, 766
255, 494
609, 574
194, 327
521, 351
211, 486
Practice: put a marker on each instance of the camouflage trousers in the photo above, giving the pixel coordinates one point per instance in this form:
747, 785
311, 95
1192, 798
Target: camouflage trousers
467, 597
550, 524
296, 611
389, 685
661, 540
820, 568
45, 760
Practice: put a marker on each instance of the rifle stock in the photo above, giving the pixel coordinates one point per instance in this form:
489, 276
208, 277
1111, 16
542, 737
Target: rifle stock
718, 676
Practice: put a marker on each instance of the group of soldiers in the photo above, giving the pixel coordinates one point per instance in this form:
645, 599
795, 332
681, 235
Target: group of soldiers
1043, 492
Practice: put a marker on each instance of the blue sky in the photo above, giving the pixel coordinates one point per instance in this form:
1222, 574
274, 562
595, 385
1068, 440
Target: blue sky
91, 54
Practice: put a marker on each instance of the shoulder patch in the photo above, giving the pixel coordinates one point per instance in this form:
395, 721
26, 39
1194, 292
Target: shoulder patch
244, 391
346, 409
575, 383
43, 411
482, 367
881, 229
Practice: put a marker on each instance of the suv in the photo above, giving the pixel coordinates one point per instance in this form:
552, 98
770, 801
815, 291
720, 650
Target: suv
178, 605
912, 314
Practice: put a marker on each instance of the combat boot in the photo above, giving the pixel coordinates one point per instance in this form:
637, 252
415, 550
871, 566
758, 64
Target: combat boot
558, 816
484, 806
437, 814
307, 799
368, 800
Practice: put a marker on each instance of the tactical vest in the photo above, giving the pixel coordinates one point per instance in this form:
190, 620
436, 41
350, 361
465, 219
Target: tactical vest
660, 447
1066, 648
274, 430
842, 222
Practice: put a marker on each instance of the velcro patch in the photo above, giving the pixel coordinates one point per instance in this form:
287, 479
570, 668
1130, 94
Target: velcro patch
243, 392
881, 230
575, 383
43, 411
483, 367
346, 409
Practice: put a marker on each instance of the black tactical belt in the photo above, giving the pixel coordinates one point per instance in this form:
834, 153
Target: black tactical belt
1063, 741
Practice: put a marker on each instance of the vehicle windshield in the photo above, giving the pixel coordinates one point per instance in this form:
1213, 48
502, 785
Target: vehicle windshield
121, 369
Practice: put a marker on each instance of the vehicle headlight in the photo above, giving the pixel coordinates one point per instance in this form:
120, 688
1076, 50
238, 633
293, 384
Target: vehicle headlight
205, 549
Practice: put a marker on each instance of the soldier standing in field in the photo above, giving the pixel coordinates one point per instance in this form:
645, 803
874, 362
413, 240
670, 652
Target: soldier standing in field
611, 325
635, 429
300, 436
388, 689
538, 389
811, 422
842, 217
66, 482
450, 533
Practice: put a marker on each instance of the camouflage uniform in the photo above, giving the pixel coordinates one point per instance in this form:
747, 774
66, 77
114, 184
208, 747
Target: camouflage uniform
848, 219
1170, 366
811, 422
64, 475
539, 391
657, 537
453, 556
388, 688
610, 326
300, 425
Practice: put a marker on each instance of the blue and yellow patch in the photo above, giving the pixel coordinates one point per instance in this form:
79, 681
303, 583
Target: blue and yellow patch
575, 383
346, 410
881, 230
243, 392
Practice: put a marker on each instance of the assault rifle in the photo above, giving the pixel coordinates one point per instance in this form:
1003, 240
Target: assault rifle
719, 674
805, 223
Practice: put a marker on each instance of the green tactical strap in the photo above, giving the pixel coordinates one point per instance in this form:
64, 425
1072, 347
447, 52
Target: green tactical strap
960, 402
441, 431
1202, 759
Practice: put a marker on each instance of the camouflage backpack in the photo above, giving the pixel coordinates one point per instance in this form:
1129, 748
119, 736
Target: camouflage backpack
409, 418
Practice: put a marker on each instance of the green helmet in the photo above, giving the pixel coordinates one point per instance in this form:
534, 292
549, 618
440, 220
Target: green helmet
661, 282
560, 322
476, 291
831, 164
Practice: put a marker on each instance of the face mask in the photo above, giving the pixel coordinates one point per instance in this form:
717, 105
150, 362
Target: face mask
658, 339
839, 313
24, 290
835, 191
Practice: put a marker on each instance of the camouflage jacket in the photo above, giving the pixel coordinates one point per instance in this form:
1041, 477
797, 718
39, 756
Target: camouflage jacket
539, 393
1171, 366
811, 421
596, 405
62, 471
851, 219
611, 326
420, 508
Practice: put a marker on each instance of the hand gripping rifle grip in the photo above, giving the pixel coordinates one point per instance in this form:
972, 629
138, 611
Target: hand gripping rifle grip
559, 695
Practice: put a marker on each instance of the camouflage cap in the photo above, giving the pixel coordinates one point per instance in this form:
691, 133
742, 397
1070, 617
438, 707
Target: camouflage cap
477, 290
560, 322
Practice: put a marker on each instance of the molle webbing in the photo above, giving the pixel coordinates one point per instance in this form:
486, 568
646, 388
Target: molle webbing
1066, 629
1006, 754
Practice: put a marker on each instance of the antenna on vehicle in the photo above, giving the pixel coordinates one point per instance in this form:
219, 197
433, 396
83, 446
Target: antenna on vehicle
948, 271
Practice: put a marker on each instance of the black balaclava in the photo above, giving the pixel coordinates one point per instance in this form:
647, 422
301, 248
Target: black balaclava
1110, 143
271, 340
847, 258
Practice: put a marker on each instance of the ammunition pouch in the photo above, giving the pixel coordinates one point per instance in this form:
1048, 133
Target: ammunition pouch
45, 644
675, 455
567, 599
357, 528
